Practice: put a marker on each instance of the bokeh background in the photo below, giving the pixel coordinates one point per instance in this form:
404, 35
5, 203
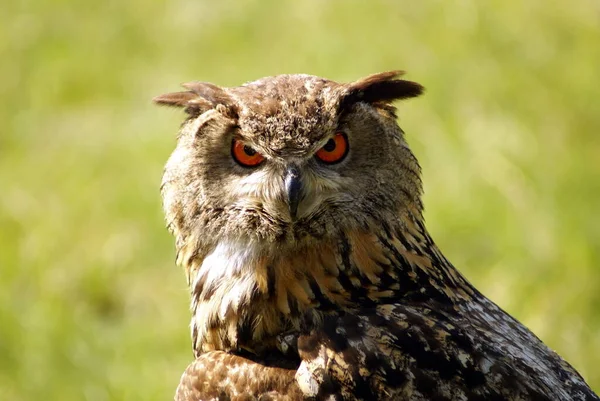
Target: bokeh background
92, 306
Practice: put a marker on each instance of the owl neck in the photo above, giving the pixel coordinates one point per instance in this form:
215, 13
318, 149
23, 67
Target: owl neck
242, 296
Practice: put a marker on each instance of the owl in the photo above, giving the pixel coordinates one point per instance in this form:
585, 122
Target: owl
295, 203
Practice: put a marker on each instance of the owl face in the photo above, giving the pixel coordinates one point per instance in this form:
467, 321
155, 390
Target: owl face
287, 160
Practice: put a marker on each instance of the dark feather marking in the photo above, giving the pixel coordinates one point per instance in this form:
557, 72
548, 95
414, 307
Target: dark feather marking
294, 307
325, 303
345, 253
245, 330
428, 385
337, 341
271, 280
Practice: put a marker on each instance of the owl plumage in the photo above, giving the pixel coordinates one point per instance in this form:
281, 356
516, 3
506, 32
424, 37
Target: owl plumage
296, 206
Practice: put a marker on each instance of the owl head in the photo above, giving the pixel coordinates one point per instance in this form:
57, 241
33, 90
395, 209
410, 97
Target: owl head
286, 160
266, 179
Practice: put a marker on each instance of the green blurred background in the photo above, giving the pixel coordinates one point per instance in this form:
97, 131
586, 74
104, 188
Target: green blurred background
92, 306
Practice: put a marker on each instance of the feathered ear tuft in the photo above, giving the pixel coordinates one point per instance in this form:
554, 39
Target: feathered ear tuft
200, 97
380, 88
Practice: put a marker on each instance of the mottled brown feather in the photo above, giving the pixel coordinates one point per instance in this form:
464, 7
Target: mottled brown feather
349, 298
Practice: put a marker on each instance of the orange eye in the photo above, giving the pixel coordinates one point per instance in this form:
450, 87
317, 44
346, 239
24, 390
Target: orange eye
334, 150
245, 155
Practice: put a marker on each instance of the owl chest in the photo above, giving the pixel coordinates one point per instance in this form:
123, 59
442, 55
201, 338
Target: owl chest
242, 300
244, 295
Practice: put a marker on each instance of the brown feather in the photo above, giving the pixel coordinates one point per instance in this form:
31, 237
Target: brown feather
349, 298
221, 376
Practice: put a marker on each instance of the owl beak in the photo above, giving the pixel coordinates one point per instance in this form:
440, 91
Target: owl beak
293, 189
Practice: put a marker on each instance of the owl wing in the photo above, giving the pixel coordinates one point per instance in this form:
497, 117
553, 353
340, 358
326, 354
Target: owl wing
220, 376
389, 352
398, 352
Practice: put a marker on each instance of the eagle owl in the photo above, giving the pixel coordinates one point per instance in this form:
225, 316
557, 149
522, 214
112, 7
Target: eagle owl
295, 202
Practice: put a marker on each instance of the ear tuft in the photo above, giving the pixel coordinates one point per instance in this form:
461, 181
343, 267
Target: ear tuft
175, 99
209, 92
200, 97
381, 88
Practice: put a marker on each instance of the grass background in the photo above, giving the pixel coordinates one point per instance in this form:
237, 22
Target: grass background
91, 304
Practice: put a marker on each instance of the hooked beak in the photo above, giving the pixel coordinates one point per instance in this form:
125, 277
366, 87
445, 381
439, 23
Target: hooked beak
293, 189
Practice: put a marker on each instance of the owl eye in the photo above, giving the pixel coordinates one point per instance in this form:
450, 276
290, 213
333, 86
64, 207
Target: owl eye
334, 150
245, 155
